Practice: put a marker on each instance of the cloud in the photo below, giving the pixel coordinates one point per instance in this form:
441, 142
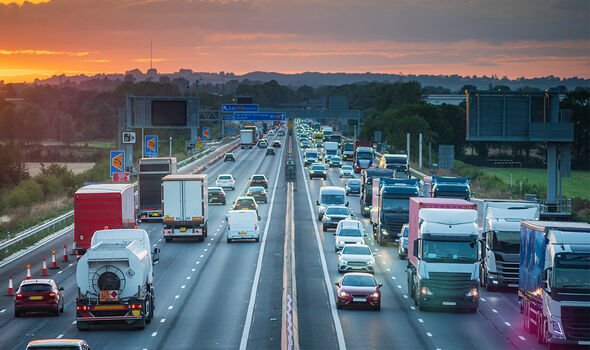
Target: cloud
22, 2
43, 52
148, 60
98, 60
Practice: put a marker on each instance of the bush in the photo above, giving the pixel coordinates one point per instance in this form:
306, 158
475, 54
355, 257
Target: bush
24, 194
51, 185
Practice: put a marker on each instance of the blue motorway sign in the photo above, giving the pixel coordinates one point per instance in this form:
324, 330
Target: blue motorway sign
228, 117
117, 162
239, 108
268, 116
151, 145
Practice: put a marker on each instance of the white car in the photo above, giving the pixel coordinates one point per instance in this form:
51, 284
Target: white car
271, 133
356, 257
225, 181
346, 171
349, 232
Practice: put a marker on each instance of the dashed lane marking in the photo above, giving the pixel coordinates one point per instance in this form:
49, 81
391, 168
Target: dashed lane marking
208, 243
205, 249
2, 311
429, 334
176, 296
201, 256
188, 277
399, 286
60, 272
183, 286
74, 322
522, 338
393, 278
420, 320
193, 270
170, 307
508, 324
60, 336
154, 334
495, 311
412, 307
388, 269
482, 299
70, 265
163, 320
405, 296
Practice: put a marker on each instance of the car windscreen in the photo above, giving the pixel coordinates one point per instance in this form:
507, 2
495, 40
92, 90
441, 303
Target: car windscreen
337, 211
356, 250
358, 281
35, 288
224, 177
333, 199
350, 232
318, 167
347, 167
354, 183
54, 347
256, 190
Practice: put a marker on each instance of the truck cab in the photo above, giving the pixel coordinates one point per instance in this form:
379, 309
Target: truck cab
367, 176
451, 187
363, 158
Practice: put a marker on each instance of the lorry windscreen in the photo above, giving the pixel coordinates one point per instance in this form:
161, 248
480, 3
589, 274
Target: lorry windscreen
449, 251
395, 204
364, 155
571, 271
505, 241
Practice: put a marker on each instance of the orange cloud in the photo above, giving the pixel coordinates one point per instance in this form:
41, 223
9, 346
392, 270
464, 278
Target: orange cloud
44, 52
148, 60
21, 2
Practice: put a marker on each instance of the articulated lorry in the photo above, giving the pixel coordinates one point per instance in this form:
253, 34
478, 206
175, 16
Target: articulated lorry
554, 282
366, 198
149, 185
443, 245
185, 203
499, 225
391, 206
450, 187
115, 279
99, 206
348, 150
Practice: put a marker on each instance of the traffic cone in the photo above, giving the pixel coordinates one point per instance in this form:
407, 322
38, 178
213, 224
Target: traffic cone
65, 258
53, 262
10, 291
44, 271
28, 272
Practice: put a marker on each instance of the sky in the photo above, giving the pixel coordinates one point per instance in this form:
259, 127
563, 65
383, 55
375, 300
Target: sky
513, 38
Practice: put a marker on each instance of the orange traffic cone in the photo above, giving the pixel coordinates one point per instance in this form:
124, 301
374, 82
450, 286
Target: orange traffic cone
65, 258
44, 271
10, 291
28, 272
53, 262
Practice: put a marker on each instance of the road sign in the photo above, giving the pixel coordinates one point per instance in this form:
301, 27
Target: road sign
377, 136
121, 177
117, 162
446, 156
250, 116
151, 145
227, 117
239, 108
206, 132
129, 137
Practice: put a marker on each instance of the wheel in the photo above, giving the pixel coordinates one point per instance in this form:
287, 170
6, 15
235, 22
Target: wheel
472, 310
229, 240
525, 319
17, 314
257, 239
56, 312
310, 177
223, 203
324, 228
61, 309
324, 178
338, 305
83, 325
149, 320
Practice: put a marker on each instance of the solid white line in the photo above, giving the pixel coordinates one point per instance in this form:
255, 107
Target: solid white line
254, 291
198, 262
328, 283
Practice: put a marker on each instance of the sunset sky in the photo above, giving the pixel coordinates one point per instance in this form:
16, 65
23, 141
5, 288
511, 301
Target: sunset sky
513, 38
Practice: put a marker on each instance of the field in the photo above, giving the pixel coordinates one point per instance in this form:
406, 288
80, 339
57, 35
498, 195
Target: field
76, 168
576, 186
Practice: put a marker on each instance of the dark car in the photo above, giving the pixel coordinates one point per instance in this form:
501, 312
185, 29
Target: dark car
38, 295
276, 144
317, 170
259, 180
281, 133
270, 152
259, 194
216, 195
335, 161
229, 157
358, 289
353, 186
333, 215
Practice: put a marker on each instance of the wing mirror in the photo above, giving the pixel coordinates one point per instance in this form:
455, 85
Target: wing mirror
347, 204
380, 285
337, 284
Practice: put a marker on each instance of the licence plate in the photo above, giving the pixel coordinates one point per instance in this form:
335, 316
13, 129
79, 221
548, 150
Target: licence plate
243, 232
36, 297
183, 229
136, 312
156, 214
449, 303
358, 299
512, 285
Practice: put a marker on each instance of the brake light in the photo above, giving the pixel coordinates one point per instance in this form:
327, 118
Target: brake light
81, 308
18, 296
52, 294
135, 306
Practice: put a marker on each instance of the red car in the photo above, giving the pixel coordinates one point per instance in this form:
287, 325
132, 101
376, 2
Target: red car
38, 295
358, 289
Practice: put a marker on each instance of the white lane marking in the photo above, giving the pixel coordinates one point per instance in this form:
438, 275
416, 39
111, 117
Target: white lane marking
327, 281
70, 265
170, 307
508, 324
2, 311
412, 307
176, 296
154, 245
218, 230
154, 334
213, 238
495, 311
60, 272
388, 269
198, 262
60, 336
183, 286
522, 338
254, 291
399, 286
384, 262
163, 320
188, 277
74, 322
160, 240
201, 256
405, 296
420, 320
208, 243
193, 270
393, 278
482, 299
429, 334
205, 249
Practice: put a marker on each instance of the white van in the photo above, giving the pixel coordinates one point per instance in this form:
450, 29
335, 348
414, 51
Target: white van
310, 156
242, 224
349, 232
330, 195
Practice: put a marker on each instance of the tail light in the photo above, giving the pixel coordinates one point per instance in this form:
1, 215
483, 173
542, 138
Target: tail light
135, 306
81, 308
52, 294
18, 296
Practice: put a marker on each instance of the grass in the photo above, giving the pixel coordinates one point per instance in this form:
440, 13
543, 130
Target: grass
576, 186
97, 144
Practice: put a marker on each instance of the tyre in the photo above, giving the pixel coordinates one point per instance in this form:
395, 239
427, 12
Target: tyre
17, 314
472, 310
61, 309
324, 228
310, 177
324, 178
338, 305
257, 239
168, 239
83, 325
229, 240
223, 203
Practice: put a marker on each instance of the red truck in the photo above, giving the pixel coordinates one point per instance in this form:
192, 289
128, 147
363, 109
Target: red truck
99, 206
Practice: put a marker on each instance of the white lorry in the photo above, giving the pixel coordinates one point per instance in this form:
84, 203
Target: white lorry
247, 138
115, 279
499, 225
184, 204
331, 149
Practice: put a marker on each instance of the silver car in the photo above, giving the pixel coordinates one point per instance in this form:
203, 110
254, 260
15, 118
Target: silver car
356, 257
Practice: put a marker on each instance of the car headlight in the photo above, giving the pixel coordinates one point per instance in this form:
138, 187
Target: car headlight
341, 242
344, 294
375, 295
327, 218
371, 262
555, 326
324, 172
384, 232
473, 292
343, 262
425, 291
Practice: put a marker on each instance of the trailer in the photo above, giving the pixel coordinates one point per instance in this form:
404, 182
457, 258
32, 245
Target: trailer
185, 204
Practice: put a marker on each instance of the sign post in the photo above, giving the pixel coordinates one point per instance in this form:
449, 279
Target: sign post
206, 133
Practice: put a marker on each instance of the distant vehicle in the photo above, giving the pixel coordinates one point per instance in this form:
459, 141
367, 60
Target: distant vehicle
216, 195
318, 170
242, 225
356, 289
259, 180
225, 181
333, 215
245, 203
149, 185
247, 138
258, 193
185, 206
394, 162
330, 195
353, 186
281, 133
451, 187
336, 138
332, 149
38, 295
262, 143
367, 177
58, 344
335, 162
305, 143
271, 133
270, 152
318, 136
348, 150
402, 250
318, 144
356, 257
346, 171
229, 157
363, 158
276, 144
310, 156
349, 232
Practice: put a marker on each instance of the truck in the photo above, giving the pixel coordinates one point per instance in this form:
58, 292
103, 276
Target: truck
367, 176
185, 205
247, 138
115, 279
328, 131
397, 162
331, 149
391, 207
363, 157
149, 185
443, 245
348, 150
98, 206
450, 187
499, 226
318, 138
554, 282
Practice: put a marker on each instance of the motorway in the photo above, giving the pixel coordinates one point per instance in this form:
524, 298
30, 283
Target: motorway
215, 295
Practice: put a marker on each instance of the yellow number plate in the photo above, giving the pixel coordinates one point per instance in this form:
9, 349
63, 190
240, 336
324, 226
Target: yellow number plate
136, 312
243, 232
183, 229
36, 297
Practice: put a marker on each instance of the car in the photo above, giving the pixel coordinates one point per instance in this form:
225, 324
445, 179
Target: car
262, 143
216, 195
330, 195
281, 133
346, 171
335, 161
353, 186
310, 156
259, 180
305, 143
259, 194
357, 288
333, 215
319, 144
270, 152
245, 203
271, 133
348, 232
58, 344
225, 181
356, 257
276, 144
229, 157
318, 170
403, 242
39, 295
